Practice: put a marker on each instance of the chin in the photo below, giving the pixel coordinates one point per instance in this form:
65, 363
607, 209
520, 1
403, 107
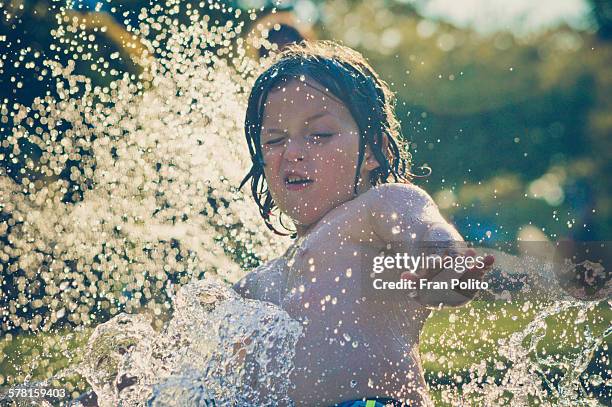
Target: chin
305, 218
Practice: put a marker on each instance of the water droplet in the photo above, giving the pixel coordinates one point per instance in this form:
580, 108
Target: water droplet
596, 380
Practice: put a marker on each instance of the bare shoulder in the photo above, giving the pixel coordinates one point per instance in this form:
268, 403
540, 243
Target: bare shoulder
254, 284
399, 197
406, 212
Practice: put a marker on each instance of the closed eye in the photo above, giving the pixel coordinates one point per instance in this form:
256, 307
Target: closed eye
321, 136
274, 141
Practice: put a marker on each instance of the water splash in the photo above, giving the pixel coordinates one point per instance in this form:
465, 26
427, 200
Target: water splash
217, 346
129, 190
529, 366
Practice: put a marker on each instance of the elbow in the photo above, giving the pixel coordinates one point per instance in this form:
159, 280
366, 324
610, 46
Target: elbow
241, 288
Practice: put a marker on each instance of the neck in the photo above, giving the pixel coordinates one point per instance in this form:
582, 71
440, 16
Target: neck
303, 230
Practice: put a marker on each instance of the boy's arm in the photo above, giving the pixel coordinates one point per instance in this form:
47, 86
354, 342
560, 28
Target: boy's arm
247, 285
406, 215
263, 283
407, 218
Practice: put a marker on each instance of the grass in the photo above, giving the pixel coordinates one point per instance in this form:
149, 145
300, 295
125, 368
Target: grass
455, 340
40, 357
471, 334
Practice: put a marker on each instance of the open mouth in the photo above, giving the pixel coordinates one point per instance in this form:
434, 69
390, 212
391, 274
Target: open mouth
297, 181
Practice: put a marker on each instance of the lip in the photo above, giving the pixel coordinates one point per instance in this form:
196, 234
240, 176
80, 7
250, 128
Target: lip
296, 187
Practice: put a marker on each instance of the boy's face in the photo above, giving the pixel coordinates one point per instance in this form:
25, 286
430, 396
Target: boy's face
310, 144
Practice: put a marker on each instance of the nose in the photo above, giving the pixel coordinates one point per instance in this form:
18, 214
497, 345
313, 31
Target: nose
294, 151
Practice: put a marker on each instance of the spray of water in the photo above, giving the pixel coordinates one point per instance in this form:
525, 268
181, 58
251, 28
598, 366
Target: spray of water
530, 366
132, 187
216, 347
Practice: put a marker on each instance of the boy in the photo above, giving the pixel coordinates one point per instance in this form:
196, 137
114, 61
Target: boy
325, 148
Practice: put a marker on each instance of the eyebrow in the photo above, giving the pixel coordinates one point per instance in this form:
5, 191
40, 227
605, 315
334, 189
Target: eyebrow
308, 120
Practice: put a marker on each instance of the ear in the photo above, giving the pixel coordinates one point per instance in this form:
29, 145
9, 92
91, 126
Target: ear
370, 162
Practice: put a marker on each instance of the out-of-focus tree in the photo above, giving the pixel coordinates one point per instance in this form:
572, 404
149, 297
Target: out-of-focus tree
602, 13
503, 121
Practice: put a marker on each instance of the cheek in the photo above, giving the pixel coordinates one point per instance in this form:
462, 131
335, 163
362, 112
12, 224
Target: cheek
273, 180
346, 150
340, 161
338, 176
271, 174
272, 161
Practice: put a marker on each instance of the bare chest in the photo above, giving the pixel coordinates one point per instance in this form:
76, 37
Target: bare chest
322, 273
